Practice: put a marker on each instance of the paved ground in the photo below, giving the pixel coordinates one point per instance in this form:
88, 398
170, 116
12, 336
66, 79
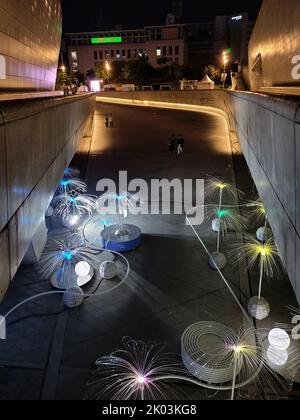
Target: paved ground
50, 352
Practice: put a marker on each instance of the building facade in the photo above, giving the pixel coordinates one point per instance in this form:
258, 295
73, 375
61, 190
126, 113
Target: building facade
30, 37
274, 49
195, 45
87, 50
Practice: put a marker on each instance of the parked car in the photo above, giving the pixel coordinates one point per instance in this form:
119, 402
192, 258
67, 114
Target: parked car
147, 88
109, 88
128, 88
165, 87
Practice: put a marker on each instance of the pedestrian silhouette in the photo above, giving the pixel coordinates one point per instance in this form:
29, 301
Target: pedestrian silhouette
106, 120
180, 145
172, 144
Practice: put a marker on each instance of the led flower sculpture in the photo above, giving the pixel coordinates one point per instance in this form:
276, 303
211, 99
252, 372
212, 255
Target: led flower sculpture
71, 186
224, 218
77, 205
119, 203
133, 374
70, 202
60, 258
267, 256
220, 189
223, 221
258, 215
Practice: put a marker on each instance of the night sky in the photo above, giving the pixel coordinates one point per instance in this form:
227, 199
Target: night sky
90, 15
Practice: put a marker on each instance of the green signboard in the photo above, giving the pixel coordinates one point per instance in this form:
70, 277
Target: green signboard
107, 40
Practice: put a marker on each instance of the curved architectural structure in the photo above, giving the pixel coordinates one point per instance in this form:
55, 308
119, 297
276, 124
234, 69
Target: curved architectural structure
30, 36
274, 49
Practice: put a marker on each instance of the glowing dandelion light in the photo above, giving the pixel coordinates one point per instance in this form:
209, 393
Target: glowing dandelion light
60, 259
267, 256
123, 237
258, 214
223, 218
216, 187
122, 203
71, 186
78, 205
133, 373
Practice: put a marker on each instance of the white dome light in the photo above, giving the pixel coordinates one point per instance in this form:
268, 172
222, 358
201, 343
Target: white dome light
279, 339
83, 269
277, 357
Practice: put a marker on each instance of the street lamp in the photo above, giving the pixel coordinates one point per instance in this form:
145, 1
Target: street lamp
108, 69
225, 62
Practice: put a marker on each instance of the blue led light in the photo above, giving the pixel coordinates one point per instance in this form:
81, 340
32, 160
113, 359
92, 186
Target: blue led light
64, 183
67, 255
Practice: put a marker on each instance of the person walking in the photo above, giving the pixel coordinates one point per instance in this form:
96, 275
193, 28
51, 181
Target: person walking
180, 145
172, 144
111, 121
106, 120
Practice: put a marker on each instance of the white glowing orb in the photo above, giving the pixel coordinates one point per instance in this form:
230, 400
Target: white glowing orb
74, 220
279, 339
83, 269
141, 379
277, 357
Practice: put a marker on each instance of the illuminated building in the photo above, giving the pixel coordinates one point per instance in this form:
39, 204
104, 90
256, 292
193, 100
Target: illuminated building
30, 36
195, 44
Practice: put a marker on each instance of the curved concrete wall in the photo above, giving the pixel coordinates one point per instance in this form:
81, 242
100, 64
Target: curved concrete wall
30, 36
275, 45
269, 133
37, 142
268, 130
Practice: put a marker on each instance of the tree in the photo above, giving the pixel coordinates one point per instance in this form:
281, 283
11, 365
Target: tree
163, 61
102, 73
213, 72
126, 72
63, 80
78, 78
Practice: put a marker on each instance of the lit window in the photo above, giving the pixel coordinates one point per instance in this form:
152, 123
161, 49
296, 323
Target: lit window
74, 55
158, 52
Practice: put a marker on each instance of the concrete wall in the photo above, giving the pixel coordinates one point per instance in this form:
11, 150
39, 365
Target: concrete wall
269, 132
38, 139
275, 44
268, 129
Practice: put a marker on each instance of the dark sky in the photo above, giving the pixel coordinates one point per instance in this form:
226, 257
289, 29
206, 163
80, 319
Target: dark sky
90, 15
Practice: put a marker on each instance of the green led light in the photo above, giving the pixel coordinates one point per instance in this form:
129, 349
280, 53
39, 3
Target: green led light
223, 213
107, 40
229, 50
